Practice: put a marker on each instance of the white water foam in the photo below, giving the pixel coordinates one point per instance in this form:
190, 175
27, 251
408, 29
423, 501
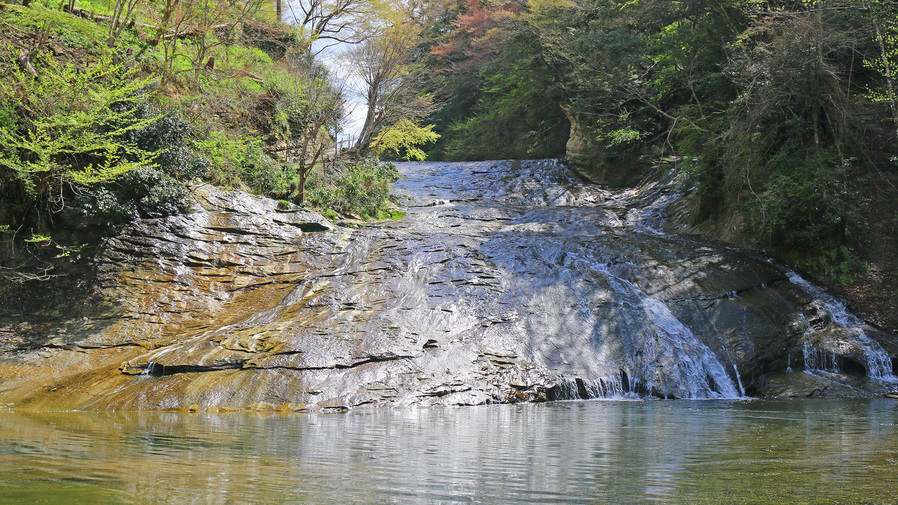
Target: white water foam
668, 358
877, 361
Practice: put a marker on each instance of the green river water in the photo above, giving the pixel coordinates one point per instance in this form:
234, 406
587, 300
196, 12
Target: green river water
715, 451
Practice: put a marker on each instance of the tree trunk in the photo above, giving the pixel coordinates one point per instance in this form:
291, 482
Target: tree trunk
364, 141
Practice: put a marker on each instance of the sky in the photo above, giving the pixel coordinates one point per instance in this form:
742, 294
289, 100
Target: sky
355, 107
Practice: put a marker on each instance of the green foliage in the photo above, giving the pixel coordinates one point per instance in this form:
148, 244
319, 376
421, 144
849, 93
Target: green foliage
166, 134
517, 114
144, 192
361, 189
289, 97
506, 92
404, 136
71, 31
810, 213
102, 141
37, 238
71, 126
266, 176
784, 149
761, 100
246, 57
236, 159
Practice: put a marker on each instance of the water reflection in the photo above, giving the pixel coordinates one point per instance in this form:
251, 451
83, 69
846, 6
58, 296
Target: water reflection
573, 452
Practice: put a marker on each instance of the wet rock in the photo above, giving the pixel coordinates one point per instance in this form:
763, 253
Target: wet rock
816, 385
526, 286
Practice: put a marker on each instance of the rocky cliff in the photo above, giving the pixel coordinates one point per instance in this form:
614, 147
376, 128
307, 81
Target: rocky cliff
590, 156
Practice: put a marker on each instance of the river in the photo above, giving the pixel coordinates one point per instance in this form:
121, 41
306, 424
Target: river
506, 282
597, 451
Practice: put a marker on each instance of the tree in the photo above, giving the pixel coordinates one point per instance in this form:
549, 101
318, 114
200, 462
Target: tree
121, 16
305, 105
206, 24
331, 21
884, 21
470, 49
391, 81
404, 136
69, 128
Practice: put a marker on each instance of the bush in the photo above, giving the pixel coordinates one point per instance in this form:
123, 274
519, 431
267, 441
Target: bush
811, 215
144, 192
361, 189
70, 132
166, 136
237, 160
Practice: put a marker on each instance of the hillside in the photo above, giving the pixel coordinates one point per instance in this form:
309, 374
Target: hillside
107, 111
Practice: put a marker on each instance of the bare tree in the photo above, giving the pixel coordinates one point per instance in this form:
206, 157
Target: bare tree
332, 21
308, 103
390, 82
121, 14
207, 23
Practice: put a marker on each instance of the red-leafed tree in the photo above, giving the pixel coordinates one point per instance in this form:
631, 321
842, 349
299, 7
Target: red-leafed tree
474, 40
492, 81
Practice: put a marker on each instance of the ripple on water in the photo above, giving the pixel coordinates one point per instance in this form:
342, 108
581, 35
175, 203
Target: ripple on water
740, 452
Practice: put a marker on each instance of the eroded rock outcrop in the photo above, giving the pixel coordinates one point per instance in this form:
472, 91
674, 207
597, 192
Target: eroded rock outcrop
503, 284
588, 155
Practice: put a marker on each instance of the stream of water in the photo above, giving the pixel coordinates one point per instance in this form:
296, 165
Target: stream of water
713, 451
504, 284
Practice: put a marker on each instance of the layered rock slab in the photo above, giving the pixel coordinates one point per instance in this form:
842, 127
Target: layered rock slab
505, 283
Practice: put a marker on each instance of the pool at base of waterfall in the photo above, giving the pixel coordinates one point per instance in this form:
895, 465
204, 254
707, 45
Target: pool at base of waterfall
711, 451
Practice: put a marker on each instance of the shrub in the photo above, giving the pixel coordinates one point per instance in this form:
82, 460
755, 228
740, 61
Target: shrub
236, 159
362, 189
144, 192
71, 129
811, 214
166, 136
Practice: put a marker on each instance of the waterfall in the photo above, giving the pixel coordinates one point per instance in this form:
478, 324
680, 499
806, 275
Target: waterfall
503, 283
739, 380
819, 360
877, 362
650, 353
699, 370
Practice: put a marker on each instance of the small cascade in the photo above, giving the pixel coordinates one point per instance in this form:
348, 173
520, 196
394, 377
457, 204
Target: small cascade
819, 360
877, 362
617, 386
150, 368
655, 356
739, 380
699, 370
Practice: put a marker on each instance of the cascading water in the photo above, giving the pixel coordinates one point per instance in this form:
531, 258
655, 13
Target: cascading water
505, 282
560, 255
877, 362
819, 360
